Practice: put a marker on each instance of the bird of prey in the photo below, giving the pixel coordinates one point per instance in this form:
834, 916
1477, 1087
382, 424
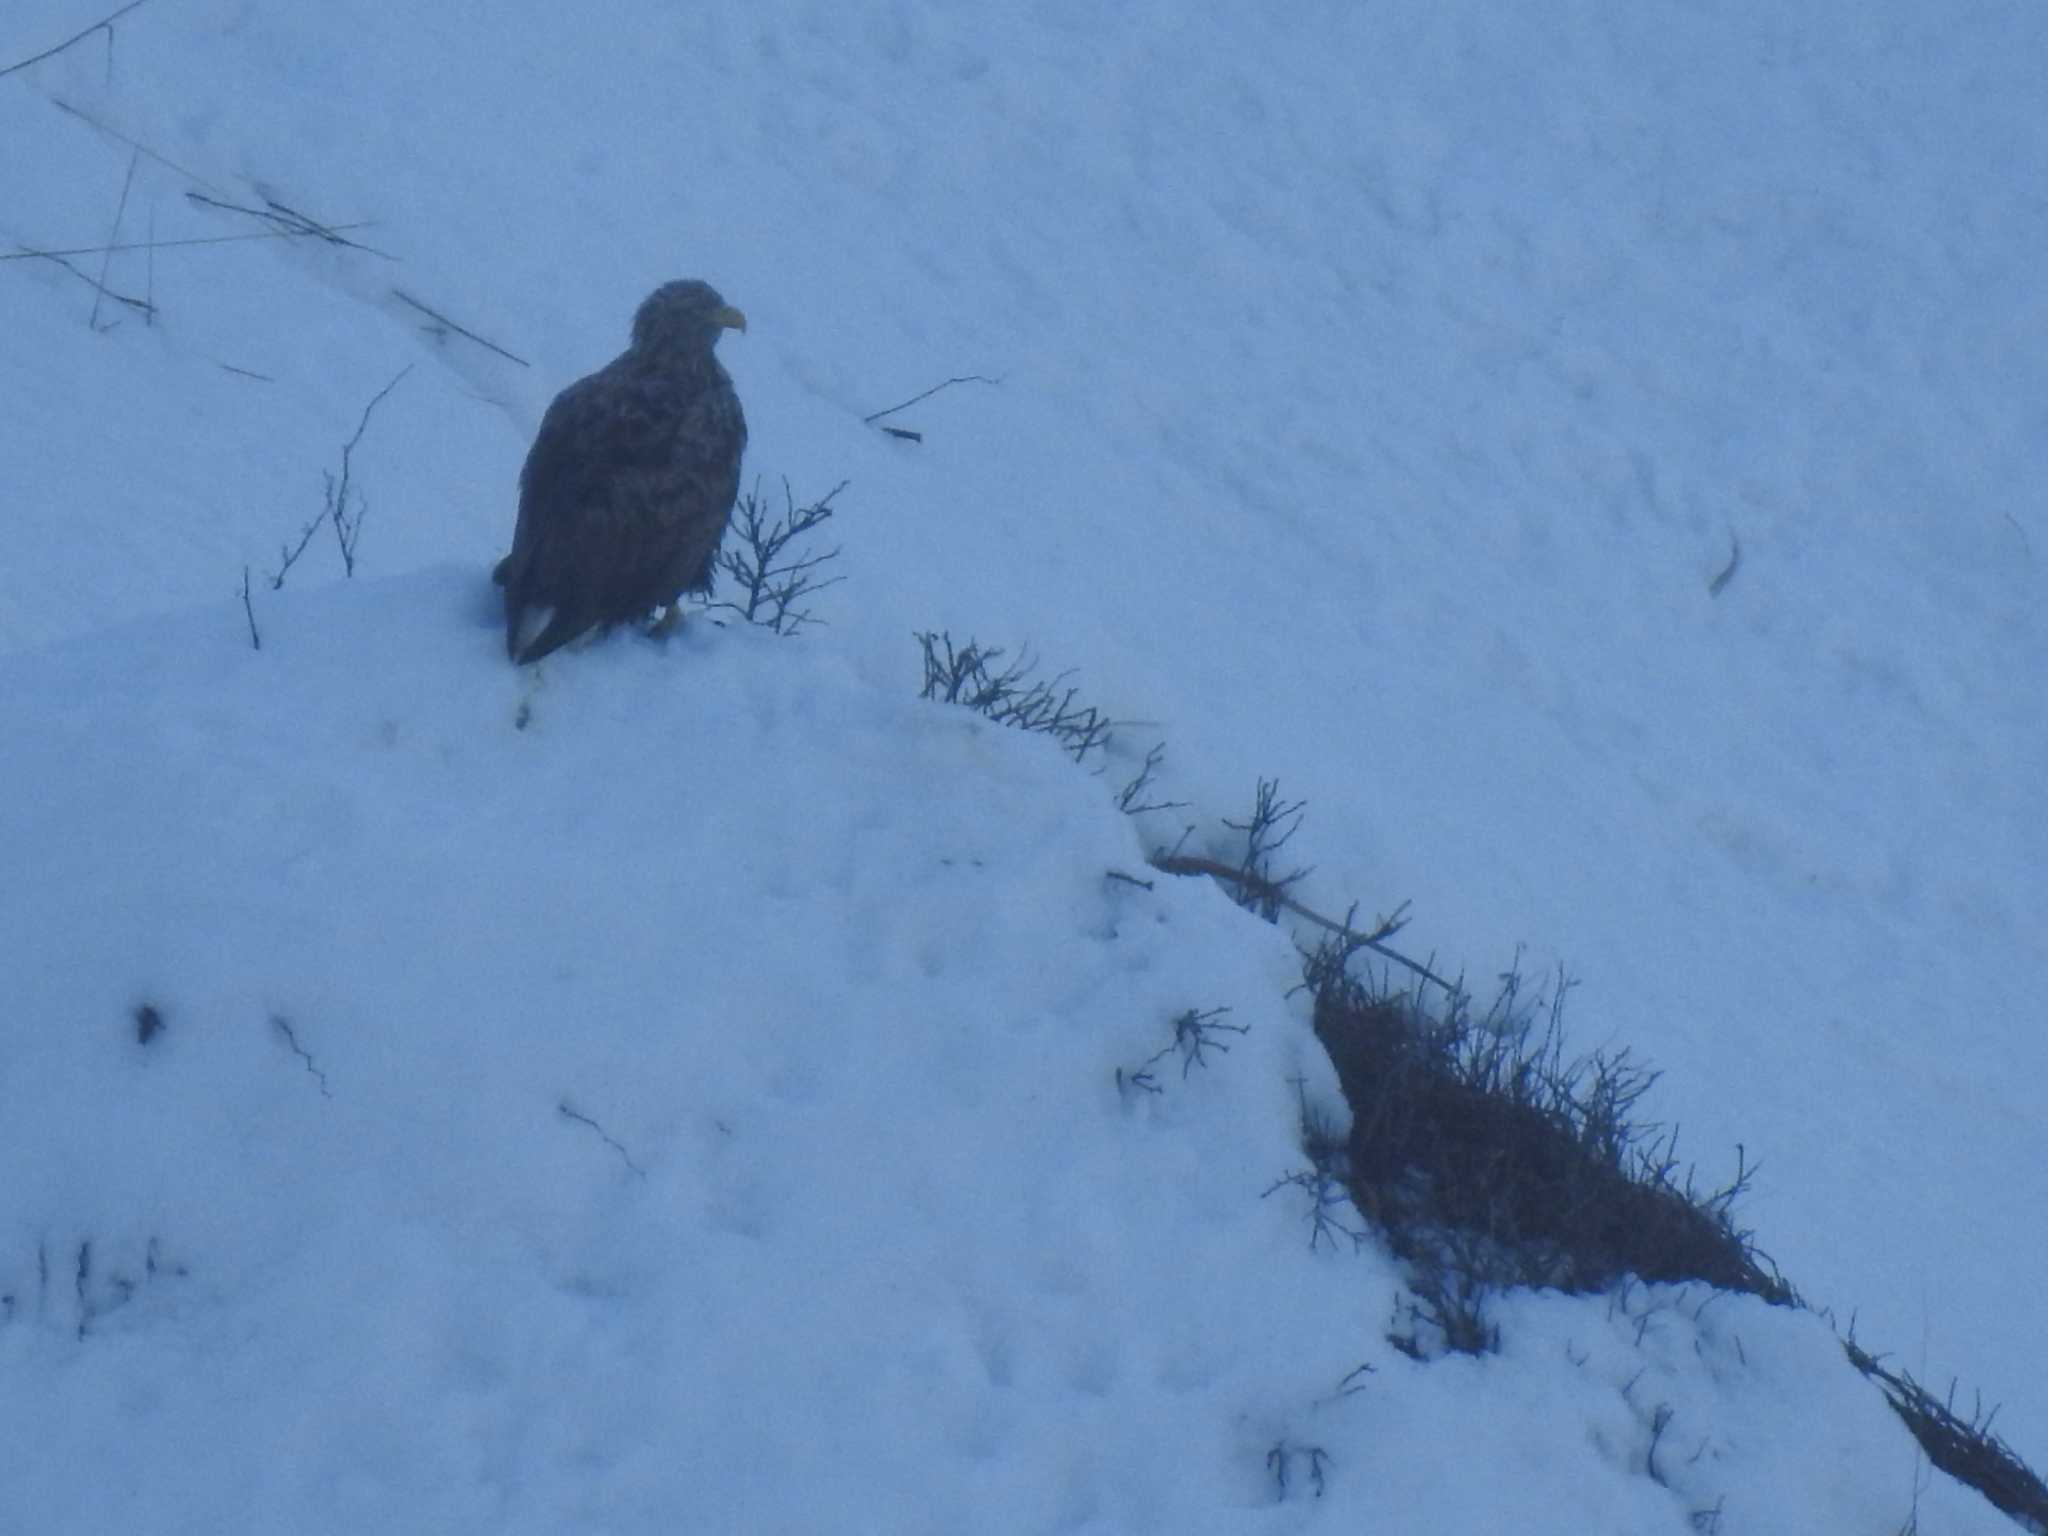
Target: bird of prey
630, 480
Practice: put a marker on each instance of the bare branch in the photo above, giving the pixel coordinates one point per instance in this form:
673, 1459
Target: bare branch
104, 24
1131, 799
1272, 825
284, 1028
965, 674
1196, 1030
289, 223
121, 138
249, 613
965, 378
120, 212
569, 1111
21, 252
335, 509
292, 554
28, 253
771, 585
446, 324
1386, 928
346, 533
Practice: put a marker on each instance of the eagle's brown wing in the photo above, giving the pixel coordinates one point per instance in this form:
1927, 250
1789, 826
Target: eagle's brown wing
622, 502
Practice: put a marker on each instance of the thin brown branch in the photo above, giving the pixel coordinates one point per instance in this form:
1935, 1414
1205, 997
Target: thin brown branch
121, 138
104, 24
289, 222
965, 378
346, 533
25, 253
375, 400
291, 555
141, 306
335, 507
249, 612
445, 323
569, 1111
107, 260
1273, 891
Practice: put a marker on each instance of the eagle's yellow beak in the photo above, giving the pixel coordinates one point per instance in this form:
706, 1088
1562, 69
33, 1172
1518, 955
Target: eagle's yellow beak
731, 319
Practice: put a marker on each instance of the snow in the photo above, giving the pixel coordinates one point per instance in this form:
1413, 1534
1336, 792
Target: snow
653, 1133
707, 1105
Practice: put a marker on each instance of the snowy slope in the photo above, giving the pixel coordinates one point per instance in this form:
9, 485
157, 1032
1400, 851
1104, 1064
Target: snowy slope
697, 1108
697, 1102
1380, 388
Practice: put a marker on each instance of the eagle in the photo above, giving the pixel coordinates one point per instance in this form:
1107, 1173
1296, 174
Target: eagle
630, 481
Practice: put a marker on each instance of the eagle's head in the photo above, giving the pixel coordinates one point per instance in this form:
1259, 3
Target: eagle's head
683, 317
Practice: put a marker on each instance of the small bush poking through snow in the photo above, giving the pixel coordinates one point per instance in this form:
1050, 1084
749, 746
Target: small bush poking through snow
1489, 1159
1483, 1155
759, 556
966, 674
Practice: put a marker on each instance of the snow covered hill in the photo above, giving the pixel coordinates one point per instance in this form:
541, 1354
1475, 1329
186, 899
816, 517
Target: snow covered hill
697, 1107
1367, 396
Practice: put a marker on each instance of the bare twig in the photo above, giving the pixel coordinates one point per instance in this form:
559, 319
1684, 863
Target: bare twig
27, 253
1327, 1200
1189, 864
345, 533
120, 212
141, 306
1131, 798
283, 1026
771, 585
966, 675
290, 223
965, 378
569, 1112
1140, 1081
1660, 1420
121, 138
335, 509
1196, 1030
291, 555
104, 24
249, 613
446, 324
1271, 827
287, 217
